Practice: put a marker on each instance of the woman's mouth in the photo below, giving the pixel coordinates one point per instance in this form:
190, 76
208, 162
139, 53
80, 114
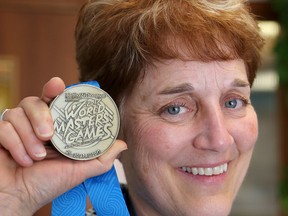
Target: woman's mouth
207, 171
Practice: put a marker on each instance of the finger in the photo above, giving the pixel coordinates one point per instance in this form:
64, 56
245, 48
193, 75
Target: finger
37, 110
113, 152
34, 146
70, 173
52, 88
10, 140
39, 115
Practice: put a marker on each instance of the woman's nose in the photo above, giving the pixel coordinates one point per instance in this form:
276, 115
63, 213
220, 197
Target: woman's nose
214, 132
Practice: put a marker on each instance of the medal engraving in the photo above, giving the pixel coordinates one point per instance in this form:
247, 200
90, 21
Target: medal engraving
86, 122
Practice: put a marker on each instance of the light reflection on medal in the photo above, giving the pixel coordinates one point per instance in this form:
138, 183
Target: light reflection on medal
86, 122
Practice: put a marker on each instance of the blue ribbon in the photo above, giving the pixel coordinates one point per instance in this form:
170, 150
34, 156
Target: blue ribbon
104, 192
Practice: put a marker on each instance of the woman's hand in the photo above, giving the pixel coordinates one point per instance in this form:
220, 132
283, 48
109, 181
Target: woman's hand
32, 173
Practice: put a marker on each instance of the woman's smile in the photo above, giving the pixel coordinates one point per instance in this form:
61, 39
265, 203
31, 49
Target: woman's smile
206, 171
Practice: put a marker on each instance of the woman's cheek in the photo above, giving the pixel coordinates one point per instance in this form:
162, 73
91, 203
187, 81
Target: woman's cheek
152, 135
246, 134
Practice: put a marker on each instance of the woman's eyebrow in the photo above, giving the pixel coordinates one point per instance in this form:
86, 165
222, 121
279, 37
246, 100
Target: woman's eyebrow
239, 83
185, 87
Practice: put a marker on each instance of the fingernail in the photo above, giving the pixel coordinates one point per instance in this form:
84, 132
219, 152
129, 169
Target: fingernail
39, 151
124, 148
41, 155
45, 131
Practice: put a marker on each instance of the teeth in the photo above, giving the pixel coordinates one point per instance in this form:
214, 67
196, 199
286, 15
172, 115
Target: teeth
206, 171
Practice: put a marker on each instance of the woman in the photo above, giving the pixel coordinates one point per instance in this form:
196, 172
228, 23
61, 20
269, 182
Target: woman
181, 74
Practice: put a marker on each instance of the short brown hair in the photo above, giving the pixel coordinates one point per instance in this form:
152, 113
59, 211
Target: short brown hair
117, 39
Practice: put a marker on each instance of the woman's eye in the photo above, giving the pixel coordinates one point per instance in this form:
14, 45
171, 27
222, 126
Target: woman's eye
174, 110
178, 111
235, 103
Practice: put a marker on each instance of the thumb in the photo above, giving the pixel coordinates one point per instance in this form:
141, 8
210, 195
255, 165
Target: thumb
52, 88
105, 161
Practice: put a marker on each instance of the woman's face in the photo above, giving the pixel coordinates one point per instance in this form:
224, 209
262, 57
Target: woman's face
190, 129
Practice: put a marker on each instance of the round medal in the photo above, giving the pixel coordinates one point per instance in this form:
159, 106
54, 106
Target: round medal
86, 122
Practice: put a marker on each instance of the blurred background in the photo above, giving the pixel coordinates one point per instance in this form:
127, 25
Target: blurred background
37, 43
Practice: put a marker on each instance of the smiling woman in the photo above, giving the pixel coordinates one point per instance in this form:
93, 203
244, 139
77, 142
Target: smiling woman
181, 74
212, 126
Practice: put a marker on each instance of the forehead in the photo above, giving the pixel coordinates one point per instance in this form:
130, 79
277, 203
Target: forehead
172, 72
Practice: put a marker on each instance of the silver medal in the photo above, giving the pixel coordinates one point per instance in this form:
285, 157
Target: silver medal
86, 122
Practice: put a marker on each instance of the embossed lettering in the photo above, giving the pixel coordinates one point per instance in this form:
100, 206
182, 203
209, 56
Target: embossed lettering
88, 121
